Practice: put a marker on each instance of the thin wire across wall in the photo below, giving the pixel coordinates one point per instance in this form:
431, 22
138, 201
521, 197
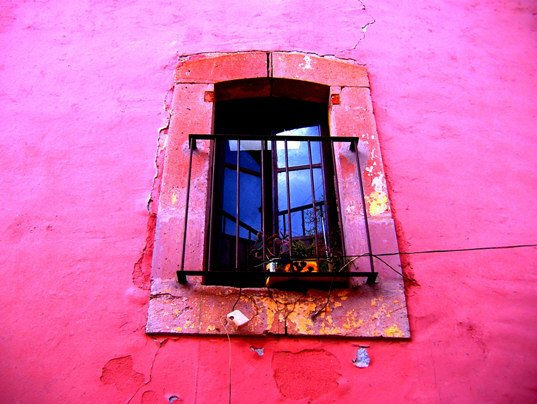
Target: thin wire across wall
437, 251
377, 256
455, 250
409, 279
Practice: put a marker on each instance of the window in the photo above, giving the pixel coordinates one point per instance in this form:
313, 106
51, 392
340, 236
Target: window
287, 209
324, 100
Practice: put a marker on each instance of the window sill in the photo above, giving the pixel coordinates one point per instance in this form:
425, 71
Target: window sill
359, 311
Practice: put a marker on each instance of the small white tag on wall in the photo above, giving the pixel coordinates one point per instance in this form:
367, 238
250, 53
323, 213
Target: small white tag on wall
238, 318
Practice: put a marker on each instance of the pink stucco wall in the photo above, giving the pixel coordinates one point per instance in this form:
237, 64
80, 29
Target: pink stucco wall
83, 90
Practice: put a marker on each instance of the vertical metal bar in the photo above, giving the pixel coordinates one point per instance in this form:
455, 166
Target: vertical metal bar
211, 204
263, 215
326, 201
338, 204
324, 236
303, 222
237, 204
186, 205
314, 203
275, 190
364, 208
288, 200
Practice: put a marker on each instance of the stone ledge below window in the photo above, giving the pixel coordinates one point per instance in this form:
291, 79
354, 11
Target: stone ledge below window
363, 311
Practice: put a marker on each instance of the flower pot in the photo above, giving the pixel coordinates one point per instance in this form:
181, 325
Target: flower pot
301, 268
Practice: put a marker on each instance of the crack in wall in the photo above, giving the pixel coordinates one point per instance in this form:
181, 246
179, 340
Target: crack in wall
285, 306
163, 294
364, 27
254, 303
162, 131
141, 272
150, 378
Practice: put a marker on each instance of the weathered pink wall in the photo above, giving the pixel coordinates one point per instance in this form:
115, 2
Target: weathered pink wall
83, 89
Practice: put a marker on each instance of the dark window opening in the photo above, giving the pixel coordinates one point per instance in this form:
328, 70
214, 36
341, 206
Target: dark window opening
286, 208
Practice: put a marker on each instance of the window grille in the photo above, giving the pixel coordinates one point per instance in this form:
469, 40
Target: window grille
276, 254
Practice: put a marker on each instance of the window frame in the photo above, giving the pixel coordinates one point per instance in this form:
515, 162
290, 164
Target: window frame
312, 115
360, 311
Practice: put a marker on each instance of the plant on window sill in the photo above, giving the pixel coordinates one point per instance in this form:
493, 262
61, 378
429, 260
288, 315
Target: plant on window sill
304, 260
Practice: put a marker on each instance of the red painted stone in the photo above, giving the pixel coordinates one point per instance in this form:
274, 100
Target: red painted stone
322, 70
190, 114
334, 99
221, 67
354, 117
208, 96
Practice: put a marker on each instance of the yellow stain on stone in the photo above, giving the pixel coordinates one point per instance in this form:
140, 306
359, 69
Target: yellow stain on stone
381, 312
271, 310
330, 330
174, 198
373, 302
301, 317
189, 324
393, 331
351, 321
378, 203
210, 328
343, 295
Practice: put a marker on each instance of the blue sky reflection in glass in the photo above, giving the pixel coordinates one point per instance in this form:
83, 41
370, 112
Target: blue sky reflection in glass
250, 192
301, 198
250, 185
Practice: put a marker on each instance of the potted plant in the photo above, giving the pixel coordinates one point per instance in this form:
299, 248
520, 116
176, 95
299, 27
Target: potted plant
302, 261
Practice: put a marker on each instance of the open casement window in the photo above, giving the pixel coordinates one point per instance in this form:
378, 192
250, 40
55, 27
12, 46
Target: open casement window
273, 201
283, 192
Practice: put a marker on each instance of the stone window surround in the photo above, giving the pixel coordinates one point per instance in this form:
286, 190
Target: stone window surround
360, 311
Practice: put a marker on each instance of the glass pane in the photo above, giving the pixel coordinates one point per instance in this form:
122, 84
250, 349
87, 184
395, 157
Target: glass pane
319, 184
250, 202
300, 187
301, 198
249, 160
247, 145
298, 151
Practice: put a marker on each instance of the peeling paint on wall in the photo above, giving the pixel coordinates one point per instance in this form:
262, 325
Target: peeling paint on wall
293, 369
120, 373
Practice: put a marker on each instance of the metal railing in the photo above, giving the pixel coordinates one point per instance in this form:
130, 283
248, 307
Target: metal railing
316, 206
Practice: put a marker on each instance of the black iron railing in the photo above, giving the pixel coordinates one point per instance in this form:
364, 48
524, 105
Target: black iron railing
317, 208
